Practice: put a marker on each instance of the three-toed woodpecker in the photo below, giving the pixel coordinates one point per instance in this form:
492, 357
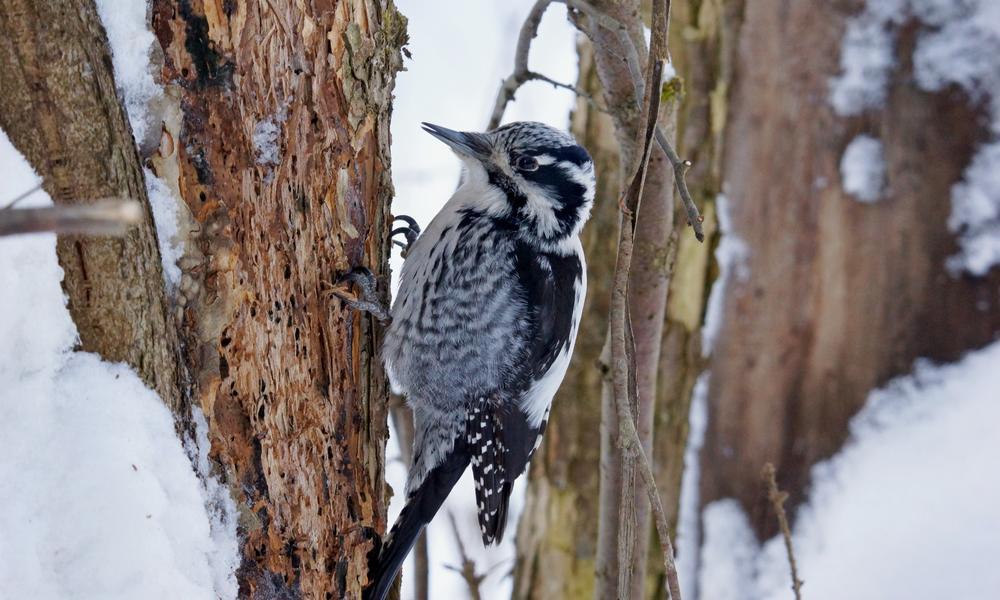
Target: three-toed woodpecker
485, 320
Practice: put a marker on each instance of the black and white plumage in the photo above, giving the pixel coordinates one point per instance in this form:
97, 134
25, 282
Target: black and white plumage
485, 321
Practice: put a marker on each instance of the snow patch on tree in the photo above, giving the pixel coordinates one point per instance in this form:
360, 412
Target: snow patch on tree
131, 41
862, 169
732, 255
688, 532
164, 206
957, 46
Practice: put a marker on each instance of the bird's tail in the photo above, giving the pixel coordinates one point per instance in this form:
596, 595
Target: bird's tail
421, 506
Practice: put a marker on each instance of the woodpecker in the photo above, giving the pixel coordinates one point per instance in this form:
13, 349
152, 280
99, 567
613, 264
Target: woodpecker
485, 320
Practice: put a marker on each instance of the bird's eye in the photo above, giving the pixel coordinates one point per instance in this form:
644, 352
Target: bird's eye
526, 163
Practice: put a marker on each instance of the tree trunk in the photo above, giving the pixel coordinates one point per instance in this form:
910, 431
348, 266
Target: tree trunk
59, 107
841, 296
278, 142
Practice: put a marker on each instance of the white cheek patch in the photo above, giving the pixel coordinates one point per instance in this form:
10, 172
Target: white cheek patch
539, 207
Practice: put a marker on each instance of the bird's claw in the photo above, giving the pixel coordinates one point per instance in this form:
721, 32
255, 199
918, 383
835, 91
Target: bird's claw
410, 231
366, 299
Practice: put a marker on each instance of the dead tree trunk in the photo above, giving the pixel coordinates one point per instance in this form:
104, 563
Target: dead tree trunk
841, 296
278, 142
59, 107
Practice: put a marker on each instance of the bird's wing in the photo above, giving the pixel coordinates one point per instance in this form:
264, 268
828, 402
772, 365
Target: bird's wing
504, 428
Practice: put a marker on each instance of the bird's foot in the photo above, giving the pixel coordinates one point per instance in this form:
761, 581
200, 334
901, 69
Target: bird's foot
410, 232
367, 297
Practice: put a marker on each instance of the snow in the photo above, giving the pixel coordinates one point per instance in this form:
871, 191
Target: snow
688, 534
908, 509
732, 255
99, 498
958, 43
164, 206
866, 61
131, 40
862, 169
461, 51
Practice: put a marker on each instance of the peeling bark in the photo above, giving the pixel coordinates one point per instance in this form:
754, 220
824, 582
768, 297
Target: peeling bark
59, 108
841, 296
278, 142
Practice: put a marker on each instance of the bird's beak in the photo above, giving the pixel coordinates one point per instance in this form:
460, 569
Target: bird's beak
475, 145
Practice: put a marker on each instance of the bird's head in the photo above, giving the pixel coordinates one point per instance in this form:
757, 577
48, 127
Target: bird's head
530, 175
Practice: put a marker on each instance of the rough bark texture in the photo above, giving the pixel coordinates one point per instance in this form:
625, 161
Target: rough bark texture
59, 108
841, 295
278, 142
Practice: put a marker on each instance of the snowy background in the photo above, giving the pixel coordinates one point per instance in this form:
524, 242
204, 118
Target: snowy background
100, 499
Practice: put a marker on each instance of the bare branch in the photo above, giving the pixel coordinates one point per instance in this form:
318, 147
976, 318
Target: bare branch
777, 498
468, 568
103, 217
21, 196
521, 73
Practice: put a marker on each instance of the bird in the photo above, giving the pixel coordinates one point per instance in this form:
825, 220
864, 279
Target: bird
483, 325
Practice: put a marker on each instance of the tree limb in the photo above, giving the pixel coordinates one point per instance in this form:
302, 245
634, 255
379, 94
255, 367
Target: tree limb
777, 499
102, 218
468, 571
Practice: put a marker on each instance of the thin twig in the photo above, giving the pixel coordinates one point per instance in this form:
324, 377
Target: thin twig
777, 498
521, 74
21, 196
468, 569
103, 217
681, 167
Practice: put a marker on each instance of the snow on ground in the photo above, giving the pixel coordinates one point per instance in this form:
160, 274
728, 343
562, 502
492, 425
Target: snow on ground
909, 509
461, 51
958, 46
862, 169
99, 498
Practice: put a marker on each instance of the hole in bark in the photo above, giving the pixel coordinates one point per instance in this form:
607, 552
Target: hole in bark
184, 72
226, 340
253, 309
277, 305
263, 386
223, 367
296, 334
288, 271
261, 411
201, 196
